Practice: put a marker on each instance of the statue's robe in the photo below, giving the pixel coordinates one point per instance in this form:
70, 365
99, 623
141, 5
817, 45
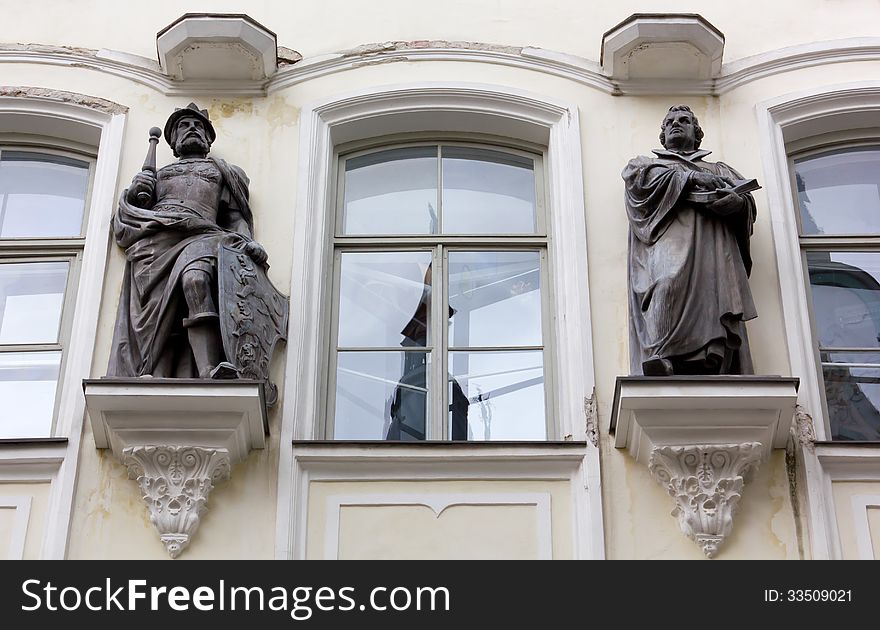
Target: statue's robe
688, 266
149, 338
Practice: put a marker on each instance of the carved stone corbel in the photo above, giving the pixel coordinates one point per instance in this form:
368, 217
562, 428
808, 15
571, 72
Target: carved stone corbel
176, 482
706, 481
177, 438
702, 438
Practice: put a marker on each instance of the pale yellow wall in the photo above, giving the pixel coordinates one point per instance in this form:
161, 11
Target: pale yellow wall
262, 136
847, 515
36, 527
460, 531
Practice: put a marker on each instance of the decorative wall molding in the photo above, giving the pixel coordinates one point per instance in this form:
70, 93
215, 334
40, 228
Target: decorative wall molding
860, 504
176, 482
21, 506
586, 72
177, 437
782, 122
98, 124
437, 107
706, 481
756, 67
37, 461
341, 461
438, 503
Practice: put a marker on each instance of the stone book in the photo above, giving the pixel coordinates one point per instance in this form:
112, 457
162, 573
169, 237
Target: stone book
741, 186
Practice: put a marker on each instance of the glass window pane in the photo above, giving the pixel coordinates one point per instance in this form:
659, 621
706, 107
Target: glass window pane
846, 298
31, 298
391, 192
487, 192
385, 299
839, 193
853, 397
41, 195
850, 356
382, 395
494, 299
496, 396
27, 389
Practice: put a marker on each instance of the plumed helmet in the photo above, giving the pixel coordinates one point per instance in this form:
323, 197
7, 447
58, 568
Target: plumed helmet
190, 110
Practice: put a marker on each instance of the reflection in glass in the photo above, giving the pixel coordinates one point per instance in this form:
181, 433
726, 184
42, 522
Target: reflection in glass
495, 298
384, 299
487, 192
853, 397
839, 193
27, 389
846, 298
391, 192
382, 395
503, 392
31, 298
41, 195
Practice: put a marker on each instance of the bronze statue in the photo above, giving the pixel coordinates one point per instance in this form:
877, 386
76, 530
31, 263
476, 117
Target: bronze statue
689, 261
196, 301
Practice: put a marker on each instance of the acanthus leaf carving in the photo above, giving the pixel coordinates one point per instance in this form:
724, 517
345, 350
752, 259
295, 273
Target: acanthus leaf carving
806, 432
175, 482
706, 482
591, 412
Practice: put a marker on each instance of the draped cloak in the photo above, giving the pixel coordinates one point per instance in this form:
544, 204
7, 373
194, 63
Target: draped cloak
160, 243
688, 266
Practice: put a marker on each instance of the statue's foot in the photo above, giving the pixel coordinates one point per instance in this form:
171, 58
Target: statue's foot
715, 357
223, 371
656, 366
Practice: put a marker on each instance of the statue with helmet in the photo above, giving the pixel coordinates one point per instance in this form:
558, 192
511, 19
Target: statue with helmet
196, 301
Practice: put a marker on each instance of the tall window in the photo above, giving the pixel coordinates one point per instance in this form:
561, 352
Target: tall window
440, 294
838, 194
42, 211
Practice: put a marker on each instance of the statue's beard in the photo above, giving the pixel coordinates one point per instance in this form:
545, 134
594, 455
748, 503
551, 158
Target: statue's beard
192, 144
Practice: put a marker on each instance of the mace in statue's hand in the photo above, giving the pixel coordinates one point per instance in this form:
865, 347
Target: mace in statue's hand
142, 186
256, 253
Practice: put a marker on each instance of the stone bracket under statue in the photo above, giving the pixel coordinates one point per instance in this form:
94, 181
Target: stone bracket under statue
178, 438
702, 438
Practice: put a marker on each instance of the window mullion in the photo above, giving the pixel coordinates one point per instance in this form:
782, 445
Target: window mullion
439, 190
437, 430
330, 418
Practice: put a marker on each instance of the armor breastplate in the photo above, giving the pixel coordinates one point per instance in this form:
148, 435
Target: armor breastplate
193, 184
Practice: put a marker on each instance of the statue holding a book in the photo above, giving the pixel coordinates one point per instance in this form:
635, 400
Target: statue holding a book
689, 262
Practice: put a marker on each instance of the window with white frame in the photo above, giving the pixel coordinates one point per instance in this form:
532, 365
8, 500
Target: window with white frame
838, 199
440, 295
43, 201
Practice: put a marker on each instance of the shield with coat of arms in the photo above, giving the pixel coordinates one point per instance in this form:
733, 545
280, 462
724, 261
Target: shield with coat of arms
253, 316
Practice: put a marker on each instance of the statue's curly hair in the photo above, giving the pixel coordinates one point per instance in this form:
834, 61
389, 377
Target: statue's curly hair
698, 131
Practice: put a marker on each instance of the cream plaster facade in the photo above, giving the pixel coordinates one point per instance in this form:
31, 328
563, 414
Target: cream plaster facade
600, 502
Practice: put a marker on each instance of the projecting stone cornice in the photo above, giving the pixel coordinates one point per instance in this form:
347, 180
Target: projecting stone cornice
292, 71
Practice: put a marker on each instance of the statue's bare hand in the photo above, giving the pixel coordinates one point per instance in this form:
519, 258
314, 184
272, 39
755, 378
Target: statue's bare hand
708, 181
729, 203
256, 252
142, 186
